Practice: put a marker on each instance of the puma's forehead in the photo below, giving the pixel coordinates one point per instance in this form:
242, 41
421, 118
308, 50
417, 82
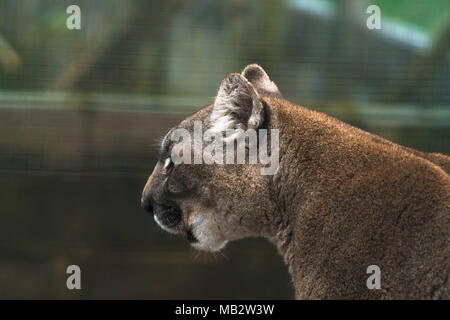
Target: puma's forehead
187, 123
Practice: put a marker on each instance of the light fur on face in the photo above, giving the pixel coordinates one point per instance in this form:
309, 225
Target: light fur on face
206, 232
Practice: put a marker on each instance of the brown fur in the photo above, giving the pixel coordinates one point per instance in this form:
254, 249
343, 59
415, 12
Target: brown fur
341, 200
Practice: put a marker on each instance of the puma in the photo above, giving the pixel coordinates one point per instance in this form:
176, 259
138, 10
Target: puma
340, 200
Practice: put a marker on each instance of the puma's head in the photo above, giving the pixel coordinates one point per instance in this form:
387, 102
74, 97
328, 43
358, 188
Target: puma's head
213, 203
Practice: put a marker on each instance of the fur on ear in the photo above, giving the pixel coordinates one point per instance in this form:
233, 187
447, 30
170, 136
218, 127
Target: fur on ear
237, 105
261, 81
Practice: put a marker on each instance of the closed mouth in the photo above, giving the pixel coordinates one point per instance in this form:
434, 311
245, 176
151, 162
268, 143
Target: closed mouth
190, 236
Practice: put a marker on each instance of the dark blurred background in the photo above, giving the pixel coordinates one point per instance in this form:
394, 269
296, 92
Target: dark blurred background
81, 111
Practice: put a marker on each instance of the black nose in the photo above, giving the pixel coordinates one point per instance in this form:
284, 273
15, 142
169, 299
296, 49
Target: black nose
146, 204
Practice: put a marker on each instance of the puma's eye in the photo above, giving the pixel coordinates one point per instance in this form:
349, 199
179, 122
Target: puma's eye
168, 165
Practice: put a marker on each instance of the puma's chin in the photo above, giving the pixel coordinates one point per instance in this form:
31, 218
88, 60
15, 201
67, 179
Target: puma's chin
205, 236
209, 246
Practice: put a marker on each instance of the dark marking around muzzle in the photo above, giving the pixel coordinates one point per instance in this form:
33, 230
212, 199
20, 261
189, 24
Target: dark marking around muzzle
169, 214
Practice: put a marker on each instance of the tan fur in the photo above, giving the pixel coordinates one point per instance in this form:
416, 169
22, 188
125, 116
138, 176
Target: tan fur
341, 200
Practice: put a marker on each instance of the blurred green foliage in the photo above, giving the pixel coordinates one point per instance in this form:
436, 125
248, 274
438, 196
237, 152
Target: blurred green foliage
431, 16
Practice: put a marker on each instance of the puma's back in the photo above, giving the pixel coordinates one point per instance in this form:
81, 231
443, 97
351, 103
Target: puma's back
355, 200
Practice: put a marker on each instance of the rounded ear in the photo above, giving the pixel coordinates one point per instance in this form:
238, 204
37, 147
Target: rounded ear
237, 105
261, 81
